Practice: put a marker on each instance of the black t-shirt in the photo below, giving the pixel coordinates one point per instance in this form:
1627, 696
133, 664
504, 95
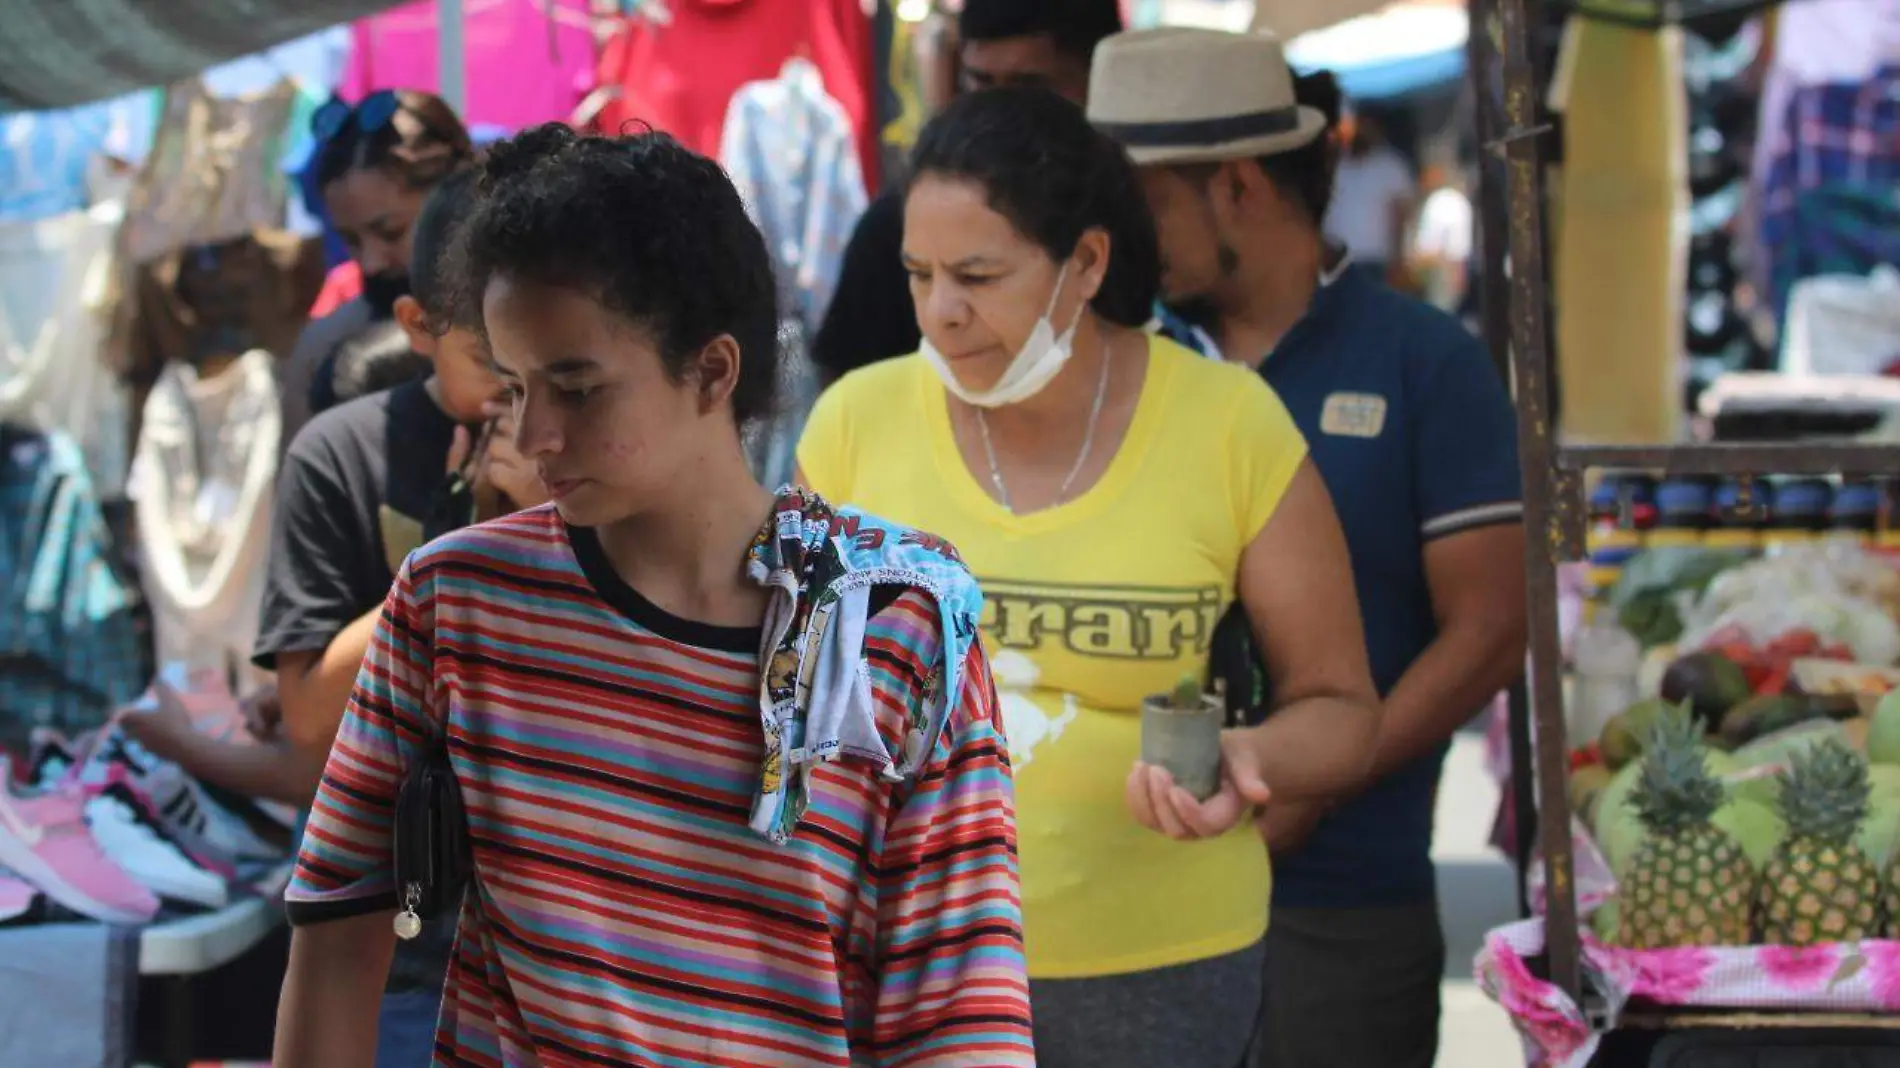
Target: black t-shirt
871, 317
357, 491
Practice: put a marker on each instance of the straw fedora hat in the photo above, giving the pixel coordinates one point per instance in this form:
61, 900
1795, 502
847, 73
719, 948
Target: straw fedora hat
1181, 95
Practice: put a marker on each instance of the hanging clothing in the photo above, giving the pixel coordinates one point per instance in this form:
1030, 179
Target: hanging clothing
1843, 136
678, 73
1621, 236
527, 61
1815, 42
201, 484
215, 173
69, 654
789, 149
55, 279
46, 156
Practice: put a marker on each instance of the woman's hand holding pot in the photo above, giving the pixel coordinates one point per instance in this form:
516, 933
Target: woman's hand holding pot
1160, 804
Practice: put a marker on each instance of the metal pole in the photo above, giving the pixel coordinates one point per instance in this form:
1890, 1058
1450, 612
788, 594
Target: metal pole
451, 62
1543, 519
1492, 226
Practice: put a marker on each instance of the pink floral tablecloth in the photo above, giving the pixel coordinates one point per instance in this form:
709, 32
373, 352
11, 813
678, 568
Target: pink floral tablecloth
1843, 977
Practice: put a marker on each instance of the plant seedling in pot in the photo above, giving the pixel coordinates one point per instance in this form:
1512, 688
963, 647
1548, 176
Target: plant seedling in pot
1181, 731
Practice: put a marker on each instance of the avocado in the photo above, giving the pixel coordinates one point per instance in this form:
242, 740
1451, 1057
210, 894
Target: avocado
1769, 713
1624, 735
1711, 683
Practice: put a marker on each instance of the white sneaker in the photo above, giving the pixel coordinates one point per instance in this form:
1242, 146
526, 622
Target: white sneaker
150, 858
212, 835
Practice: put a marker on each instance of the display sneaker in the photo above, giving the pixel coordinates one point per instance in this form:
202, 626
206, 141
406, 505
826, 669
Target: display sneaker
19, 900
216, 838
50, 755
136, 842
44, 840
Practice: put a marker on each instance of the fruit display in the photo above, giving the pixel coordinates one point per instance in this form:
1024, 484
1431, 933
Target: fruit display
1815, 825
1689, 884
1820, 886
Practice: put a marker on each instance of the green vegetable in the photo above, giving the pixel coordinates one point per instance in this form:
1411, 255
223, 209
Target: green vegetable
1651, 618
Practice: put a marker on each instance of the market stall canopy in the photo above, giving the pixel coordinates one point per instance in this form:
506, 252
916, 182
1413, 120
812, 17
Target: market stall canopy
1287, 19
58, 53
1399, 51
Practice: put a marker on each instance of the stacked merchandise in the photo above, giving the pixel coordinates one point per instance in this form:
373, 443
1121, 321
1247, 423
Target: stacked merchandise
96, 827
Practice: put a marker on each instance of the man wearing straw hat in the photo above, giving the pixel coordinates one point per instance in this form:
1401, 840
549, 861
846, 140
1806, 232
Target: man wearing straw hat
1413, 432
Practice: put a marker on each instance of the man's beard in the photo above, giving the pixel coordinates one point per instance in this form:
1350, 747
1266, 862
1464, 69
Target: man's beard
382, 291
1202, 309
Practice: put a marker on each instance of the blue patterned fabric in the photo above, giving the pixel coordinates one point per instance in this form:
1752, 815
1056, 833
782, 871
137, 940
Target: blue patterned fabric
1843, 137
44, 155
69, 654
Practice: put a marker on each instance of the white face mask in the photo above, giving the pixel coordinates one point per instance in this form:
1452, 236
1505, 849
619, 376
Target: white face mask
1038, 362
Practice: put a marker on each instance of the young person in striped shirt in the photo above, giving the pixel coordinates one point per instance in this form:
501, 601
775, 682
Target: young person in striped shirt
736, 788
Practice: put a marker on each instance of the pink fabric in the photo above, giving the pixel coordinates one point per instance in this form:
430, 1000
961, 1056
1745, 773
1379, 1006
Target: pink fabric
522, 68
1847, 977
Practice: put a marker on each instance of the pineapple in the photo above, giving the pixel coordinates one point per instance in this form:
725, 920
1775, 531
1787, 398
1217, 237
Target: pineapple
1689, 883
1819, 886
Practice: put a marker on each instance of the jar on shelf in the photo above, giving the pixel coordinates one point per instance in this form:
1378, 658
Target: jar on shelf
1685, 511
1742, 508
1801, 512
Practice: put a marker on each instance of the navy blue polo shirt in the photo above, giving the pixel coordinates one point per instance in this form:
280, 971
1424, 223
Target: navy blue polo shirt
1410, 425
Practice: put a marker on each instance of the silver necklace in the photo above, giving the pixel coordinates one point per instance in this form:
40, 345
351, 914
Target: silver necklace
1088, 442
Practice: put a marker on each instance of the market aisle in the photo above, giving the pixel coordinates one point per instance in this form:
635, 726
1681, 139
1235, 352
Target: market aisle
1474, 884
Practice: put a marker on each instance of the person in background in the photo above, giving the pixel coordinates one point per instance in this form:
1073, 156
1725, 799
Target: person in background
666, 871
1442, 244
1373, 196
1114, 493
1002, 42
363, 485
1412, 430
376, 163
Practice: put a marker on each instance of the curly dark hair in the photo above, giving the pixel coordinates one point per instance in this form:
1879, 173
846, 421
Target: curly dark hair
1054, 177
652, 230
422, 143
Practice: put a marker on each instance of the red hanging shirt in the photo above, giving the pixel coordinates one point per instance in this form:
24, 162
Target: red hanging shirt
679, 77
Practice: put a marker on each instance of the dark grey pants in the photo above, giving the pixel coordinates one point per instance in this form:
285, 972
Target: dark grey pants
1352, 988
1199, 1015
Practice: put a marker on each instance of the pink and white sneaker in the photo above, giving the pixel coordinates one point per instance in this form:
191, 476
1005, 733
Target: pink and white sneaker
18, 900
45, 841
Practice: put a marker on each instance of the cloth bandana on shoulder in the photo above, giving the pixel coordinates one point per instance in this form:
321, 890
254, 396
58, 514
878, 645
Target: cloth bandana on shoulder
815, 698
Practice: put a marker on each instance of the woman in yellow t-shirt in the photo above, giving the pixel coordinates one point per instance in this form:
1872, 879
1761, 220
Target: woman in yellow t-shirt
1115, 494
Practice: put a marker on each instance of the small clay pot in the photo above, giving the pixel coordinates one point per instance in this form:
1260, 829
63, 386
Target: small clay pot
1185, 741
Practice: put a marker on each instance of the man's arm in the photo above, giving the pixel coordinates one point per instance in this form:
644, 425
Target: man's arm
1477, 585
314, 687
950, 986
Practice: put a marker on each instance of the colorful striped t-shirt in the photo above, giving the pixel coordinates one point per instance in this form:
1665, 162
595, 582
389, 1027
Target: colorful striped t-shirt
622, 912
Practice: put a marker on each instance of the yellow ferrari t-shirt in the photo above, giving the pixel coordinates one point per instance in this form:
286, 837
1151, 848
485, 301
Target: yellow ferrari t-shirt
1089, 607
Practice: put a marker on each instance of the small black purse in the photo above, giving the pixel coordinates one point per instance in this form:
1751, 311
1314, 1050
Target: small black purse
431, 851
